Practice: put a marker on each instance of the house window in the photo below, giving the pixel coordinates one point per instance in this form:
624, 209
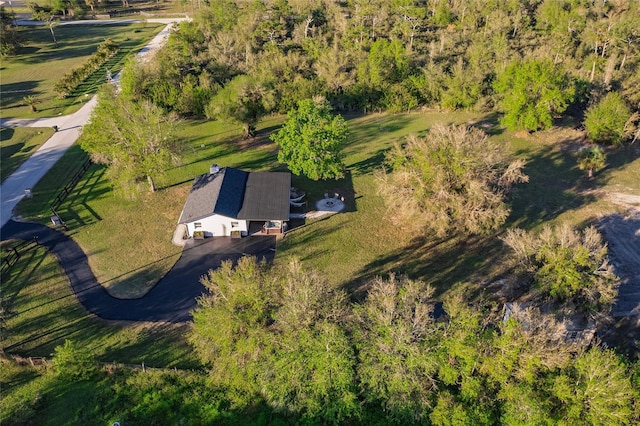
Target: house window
234, 224
197, 225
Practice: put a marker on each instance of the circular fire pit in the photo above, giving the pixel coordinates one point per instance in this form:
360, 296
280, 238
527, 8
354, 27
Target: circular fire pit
330, 205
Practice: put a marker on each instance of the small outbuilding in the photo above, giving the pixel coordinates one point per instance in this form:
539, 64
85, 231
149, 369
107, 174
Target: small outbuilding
232, 202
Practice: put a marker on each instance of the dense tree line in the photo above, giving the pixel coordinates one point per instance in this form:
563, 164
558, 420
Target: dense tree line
401, 55
283, 347
282, 336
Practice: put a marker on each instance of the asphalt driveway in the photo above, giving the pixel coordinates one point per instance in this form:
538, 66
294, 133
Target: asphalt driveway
171, 300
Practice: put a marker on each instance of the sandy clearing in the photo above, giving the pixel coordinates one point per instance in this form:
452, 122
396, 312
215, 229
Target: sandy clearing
622, 233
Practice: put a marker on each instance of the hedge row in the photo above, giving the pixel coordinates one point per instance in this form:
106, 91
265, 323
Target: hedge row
71, 80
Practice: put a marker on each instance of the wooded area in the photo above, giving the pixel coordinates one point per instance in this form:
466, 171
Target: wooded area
282, 346
529, 59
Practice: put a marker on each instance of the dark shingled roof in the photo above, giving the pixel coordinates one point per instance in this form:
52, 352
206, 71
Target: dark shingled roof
266, 196
238, 194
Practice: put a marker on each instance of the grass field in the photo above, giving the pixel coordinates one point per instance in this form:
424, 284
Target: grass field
16, 145
39, 65
348, 248
40, 312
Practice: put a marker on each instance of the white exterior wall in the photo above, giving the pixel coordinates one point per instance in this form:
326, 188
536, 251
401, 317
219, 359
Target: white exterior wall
217, 226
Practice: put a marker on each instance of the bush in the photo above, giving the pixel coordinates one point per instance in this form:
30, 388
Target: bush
605, 121
73, 363
72, 79
567, 264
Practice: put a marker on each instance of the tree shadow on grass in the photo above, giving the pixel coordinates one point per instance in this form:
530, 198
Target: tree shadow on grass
490, 124
440, 262
76, 210
617, 159
13, 93
370, 164
556, 185
316, 190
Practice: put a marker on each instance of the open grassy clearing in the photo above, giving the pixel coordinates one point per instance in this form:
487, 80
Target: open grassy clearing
40, 312
353, 247
39, 65
126, 238
17, 145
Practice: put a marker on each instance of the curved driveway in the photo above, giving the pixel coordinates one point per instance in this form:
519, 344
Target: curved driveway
171, 300
174, 297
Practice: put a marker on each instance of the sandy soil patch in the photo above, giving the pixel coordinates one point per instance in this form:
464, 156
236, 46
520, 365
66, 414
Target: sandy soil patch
622, 233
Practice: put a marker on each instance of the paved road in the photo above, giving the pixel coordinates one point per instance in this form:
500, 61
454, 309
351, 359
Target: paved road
31, 171
12, 190
171, 300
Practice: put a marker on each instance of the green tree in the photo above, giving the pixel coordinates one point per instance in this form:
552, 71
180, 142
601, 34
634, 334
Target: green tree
135, 139
567, 264
460, 344
47, 15
533, 93
230, 325
524, 350
454, 179
243, 100
605, 121
386, 64
311, 368
277, 333
591, 159
310, 140
395, 340
9, 39
73, 363
31, 101
463, 89
595, 390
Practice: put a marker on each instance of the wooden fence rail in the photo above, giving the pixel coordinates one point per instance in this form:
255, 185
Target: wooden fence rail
64, 193
15, 253
71, 184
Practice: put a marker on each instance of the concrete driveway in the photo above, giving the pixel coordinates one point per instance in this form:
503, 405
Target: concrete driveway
12, 190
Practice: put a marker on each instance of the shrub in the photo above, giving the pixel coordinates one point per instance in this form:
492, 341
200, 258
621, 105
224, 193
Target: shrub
605, 122
72, 79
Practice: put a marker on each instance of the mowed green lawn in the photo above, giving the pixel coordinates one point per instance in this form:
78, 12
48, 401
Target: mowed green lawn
16, 145
39, 65
41, 312
128, 241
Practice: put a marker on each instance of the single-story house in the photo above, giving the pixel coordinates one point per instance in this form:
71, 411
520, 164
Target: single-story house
232, 202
